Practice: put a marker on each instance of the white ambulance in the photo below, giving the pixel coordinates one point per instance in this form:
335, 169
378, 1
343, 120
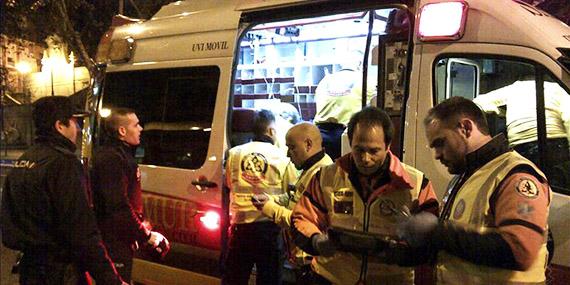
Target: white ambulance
196, 69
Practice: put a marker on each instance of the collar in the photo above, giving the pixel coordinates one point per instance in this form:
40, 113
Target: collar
57, 140
313, 159
263, 138
115, 142
489, 151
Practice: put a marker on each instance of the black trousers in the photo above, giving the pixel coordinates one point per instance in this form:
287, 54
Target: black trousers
331, 134
254, 243
122, 254
46, 270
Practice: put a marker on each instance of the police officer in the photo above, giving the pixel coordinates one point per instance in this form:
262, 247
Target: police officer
493, 226
304, 148
117, 193
257, 167
366, 190
45, 210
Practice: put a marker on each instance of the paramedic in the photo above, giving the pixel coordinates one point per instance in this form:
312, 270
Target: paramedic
304, 148
519, 98
256, 167
362, 190
493, 226
337, 97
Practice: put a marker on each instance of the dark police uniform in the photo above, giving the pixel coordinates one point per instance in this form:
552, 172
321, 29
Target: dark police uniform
118, 202
46, 215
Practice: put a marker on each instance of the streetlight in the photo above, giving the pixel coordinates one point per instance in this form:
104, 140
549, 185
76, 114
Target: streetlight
23, 68
72, 63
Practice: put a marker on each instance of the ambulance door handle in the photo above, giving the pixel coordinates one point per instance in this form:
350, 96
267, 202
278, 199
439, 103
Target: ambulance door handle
202, 183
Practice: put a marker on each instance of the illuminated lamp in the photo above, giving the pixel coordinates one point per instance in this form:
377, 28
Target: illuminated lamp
442, 21
211, 220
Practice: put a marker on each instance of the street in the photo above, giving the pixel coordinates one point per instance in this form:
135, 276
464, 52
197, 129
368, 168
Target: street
8, 259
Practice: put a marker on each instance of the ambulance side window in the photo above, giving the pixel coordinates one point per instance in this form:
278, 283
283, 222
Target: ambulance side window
175, 107
506, 89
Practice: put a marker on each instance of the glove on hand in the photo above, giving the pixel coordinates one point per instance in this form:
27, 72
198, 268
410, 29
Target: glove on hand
259, 200
323, 245
159, 244
418, 228
155, 239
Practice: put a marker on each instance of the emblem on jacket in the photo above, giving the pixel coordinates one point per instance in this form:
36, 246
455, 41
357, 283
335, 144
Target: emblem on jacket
527, 188
254, 167
387, 207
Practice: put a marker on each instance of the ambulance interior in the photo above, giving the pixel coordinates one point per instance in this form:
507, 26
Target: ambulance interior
280, 64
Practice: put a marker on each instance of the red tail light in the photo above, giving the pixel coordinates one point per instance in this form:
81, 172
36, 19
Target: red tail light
210, 220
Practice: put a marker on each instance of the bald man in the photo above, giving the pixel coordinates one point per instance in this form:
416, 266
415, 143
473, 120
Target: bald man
304, 147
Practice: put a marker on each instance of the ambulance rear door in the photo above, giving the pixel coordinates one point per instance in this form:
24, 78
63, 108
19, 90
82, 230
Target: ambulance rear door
174, 71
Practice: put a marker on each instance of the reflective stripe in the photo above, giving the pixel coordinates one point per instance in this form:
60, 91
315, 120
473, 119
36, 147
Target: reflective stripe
345, 268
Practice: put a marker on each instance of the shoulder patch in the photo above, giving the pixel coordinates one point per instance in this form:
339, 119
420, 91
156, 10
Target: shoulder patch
527, 188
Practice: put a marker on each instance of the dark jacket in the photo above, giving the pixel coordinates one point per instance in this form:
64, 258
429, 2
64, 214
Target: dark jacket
45, 210
117, 194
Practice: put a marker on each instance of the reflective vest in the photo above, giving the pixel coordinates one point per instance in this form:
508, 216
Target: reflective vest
255, 168
338, 96
471, 207
348, 210
300, 257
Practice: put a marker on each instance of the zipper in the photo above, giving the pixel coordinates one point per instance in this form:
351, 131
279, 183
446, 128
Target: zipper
365, 227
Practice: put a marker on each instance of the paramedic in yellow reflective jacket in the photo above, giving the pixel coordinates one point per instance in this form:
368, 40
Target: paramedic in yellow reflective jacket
363, 191
338, 96
305, 149
257, 167
493, 227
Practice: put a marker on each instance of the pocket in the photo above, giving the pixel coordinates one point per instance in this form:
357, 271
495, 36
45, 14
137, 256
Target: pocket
343, 201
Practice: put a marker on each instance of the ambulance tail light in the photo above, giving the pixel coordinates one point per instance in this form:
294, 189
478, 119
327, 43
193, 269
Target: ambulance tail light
442, 21
210, 220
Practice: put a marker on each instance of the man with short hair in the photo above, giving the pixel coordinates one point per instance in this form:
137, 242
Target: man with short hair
257, 167
493, 226
45, 210
365, 191
117, 192
304, 148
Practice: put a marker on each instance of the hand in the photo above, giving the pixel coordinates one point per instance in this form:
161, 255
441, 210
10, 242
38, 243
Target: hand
418, 228
156, 238
259, 200
323, 245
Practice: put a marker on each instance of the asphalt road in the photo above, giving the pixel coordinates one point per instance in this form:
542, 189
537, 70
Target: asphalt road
8, 259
